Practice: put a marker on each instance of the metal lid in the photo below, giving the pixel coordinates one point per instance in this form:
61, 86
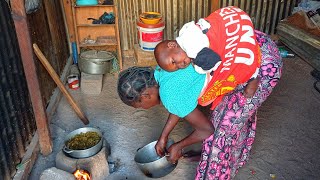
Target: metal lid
97, 55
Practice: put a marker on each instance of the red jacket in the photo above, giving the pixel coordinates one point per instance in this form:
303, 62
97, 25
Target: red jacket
231, 35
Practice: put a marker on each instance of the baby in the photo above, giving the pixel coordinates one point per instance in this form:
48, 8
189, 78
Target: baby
222, 43
171, 57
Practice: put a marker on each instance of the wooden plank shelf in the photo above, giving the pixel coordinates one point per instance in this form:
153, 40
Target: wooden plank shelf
98, 44
304, 44
94, 6
95, 25
96, 36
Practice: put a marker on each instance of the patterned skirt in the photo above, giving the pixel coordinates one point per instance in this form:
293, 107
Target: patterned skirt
234, 119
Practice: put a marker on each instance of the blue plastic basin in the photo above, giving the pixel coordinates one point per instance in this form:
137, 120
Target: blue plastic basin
87, 2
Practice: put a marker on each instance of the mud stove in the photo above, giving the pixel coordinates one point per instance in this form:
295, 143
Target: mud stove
95, 167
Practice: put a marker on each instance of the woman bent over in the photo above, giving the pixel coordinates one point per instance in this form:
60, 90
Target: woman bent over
228, 135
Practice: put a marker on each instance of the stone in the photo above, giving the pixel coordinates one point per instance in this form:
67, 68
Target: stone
97, 165
91, 83
144, 58
56, 174
66, 163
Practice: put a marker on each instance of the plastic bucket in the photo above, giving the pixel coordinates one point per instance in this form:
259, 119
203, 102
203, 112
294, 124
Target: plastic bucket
73, 82
74, 77
150, 35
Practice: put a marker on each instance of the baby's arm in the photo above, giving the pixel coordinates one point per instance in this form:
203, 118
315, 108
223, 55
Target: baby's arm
251, 88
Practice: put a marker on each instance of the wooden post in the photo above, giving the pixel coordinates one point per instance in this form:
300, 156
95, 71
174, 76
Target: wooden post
215, 5
68, 17
118, 37
24, 39
76, 37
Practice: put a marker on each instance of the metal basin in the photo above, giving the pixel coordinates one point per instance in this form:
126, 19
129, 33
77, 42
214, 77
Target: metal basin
85, 152
151, 164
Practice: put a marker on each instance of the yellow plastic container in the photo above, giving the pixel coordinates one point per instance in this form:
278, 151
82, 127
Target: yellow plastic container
150, 17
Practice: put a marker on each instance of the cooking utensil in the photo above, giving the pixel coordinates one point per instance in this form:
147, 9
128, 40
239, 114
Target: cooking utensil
86, 152
60, 85
96, 62
151, 164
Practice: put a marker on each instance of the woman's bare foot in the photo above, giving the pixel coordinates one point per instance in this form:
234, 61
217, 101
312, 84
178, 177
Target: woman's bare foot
192, 156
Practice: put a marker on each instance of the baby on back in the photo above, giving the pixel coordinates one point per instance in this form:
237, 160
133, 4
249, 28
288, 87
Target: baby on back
223, 45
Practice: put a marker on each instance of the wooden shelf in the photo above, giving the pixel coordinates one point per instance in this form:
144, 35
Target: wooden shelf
98, 44
101, 41
94, 6
95, 25
104, 36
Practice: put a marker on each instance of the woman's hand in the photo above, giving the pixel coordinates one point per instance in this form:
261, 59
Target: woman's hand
161, 146
203, 128
174, 152
162, 141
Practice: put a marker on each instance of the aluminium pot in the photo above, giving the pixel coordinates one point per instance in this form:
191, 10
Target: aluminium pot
96, 62
85, 152
151, 164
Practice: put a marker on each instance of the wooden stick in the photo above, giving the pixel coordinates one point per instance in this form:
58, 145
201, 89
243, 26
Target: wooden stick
61, 86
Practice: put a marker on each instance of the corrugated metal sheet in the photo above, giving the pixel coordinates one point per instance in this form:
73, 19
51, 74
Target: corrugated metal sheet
17, 123
265, 14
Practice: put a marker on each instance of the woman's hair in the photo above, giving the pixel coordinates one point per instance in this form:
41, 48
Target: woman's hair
133, 81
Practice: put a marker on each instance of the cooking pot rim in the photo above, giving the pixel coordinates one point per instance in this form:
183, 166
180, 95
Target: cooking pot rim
78, 131
109, 57
169, 143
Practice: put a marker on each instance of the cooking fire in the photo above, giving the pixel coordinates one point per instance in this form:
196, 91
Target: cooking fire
82, 174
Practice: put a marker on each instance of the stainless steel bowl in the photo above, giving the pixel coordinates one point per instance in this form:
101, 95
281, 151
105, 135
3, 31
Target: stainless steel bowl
86, 152
151, 164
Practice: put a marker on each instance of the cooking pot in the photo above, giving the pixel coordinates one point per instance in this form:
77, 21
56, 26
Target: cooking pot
151, 164
85, 152
96, 62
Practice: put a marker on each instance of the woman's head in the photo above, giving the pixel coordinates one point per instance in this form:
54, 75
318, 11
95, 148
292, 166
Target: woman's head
138, 88
170, 56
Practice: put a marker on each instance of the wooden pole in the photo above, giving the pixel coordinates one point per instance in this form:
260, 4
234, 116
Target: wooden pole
118, 37
68, 17
60, 85
21, 25
67, 10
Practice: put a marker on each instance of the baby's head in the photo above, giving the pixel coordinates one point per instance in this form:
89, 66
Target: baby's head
170, 56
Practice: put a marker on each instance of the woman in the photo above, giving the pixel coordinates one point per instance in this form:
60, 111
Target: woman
227, 138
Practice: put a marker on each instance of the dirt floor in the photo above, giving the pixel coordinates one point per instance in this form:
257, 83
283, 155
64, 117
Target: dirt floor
286, 145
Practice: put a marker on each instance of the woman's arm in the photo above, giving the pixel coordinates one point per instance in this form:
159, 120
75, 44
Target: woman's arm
203, 128
162, 141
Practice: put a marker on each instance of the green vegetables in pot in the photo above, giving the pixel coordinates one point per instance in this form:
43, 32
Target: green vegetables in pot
83, 141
